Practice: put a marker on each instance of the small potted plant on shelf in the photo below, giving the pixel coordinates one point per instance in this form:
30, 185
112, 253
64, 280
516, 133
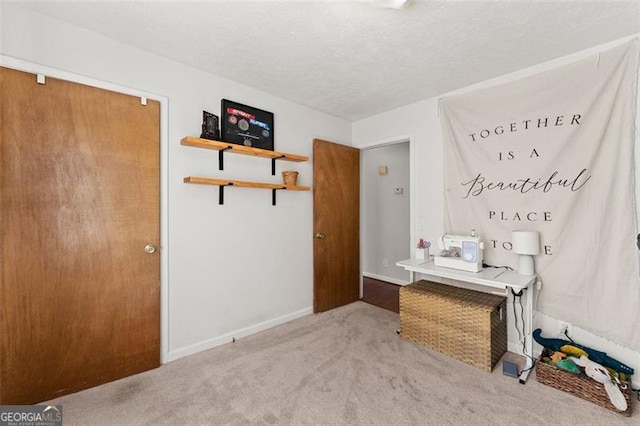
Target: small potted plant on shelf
422, 249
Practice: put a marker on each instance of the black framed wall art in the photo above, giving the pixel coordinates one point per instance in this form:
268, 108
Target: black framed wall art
245, 125
210, 126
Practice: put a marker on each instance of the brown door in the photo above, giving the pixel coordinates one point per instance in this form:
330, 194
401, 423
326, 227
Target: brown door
336, 224
79, 199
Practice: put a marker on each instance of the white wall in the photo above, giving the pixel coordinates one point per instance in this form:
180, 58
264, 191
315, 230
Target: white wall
232, 269
422, 120
385, 232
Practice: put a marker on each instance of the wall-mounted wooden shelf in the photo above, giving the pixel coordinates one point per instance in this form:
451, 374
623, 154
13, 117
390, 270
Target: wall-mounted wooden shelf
221, 147
243, 184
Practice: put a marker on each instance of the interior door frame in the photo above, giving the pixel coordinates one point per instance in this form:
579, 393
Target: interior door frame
409, 137
21, 65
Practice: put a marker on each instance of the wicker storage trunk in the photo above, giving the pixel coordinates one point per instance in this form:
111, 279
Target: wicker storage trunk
580, 385
468, 325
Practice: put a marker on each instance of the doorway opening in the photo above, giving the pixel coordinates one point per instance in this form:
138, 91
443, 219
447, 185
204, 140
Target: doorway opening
386, 218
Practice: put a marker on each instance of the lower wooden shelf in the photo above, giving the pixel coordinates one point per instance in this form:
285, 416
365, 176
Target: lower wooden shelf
243, 184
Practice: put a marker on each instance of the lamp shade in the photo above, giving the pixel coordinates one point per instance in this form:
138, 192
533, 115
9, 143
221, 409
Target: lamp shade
525, 242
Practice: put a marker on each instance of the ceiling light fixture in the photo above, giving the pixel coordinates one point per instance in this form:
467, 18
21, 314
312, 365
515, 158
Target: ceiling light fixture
396, 4
389, 4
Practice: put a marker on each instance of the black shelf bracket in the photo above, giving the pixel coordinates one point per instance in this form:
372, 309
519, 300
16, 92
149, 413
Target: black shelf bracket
221, 193
273, 165
221, 158
273, 194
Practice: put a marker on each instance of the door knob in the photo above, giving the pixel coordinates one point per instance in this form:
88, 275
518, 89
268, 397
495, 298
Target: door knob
150, 248
319, 236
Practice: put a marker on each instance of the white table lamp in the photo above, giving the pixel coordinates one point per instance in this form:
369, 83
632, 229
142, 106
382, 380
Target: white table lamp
526, 244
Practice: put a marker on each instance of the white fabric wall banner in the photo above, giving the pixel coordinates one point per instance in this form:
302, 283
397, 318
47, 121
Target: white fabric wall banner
554, 153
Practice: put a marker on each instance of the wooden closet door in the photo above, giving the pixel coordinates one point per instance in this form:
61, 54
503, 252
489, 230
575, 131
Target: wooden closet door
336, 224
79, 201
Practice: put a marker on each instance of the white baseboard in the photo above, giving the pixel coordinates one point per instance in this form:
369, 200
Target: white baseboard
387, 279
237, 334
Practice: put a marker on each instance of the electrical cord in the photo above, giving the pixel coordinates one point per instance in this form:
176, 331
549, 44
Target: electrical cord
521, 334
486, 265
515, 316
566, 334
522, 337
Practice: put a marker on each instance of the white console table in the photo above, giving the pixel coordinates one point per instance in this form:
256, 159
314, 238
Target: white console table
492, 278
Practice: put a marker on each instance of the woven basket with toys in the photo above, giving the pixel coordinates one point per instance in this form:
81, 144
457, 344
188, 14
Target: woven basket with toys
584, 372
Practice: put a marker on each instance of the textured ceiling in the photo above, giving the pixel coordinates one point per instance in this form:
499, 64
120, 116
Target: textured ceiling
349, 58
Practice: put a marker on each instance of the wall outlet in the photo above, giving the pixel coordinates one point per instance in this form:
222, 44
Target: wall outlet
385, 263
563, 327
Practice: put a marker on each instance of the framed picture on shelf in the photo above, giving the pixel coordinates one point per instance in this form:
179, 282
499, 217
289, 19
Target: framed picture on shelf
210, 127
245, 125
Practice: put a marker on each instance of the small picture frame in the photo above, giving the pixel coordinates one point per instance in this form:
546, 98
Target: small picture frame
210, 126
246, 125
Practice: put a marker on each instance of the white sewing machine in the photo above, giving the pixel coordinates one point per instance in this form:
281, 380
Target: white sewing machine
462, 252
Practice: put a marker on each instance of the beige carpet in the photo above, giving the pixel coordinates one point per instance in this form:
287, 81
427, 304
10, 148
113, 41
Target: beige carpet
344, 366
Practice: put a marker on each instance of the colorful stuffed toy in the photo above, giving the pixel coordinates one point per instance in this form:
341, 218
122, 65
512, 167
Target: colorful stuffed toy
594, 355
601, 375
568, 364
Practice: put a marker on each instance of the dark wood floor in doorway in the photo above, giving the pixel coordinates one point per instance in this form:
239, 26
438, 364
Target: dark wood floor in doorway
381, 293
